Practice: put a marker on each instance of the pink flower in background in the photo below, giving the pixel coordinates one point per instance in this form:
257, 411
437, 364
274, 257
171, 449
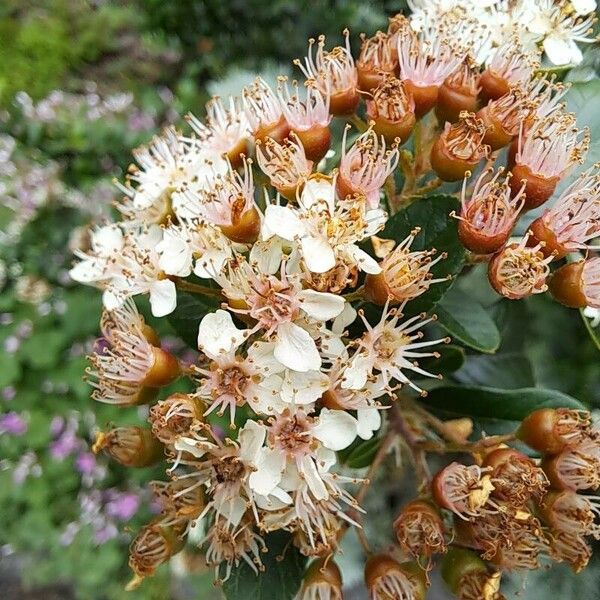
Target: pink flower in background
12, 423
85, 463
122, 505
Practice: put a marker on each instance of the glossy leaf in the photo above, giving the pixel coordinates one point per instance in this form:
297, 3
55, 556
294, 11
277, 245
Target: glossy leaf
281, 578
495, 403
508, 371
451, 359
438, 230
363, 454
188, 314
467, 321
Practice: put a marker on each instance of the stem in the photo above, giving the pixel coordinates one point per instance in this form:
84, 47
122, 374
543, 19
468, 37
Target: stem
358, 122
390, 191
357, 294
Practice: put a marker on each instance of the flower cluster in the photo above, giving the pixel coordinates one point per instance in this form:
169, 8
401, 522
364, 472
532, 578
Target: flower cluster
308, 333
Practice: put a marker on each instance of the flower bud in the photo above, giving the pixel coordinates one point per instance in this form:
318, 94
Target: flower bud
131, 446
503, 117
387, 579
245, 227
179, 498
576, 467
571, 513
538, 188
420, 530
462, 489
154, 545
458, 93
375, 61
468, 577
285, 164
164, 370
515, 477
567, 285
175, 416
550, 430
518, 271
392, 111
323, 579
459, 148
487, 218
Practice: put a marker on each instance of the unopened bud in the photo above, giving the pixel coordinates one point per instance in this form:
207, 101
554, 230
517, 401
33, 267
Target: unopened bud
387, 579
515, 477
420, 530
154, 545
323, 579
550, 430
131, 446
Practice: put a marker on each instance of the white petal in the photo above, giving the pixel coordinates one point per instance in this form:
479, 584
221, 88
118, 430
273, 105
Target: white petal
336, 429
233, 509
303, 388
355, 376
318, 254
260, 354
175, 255
584, 7
107, 241
265, 398
112, 300
345, 318
268, 254
369, 420
192, 446
268, 471
318, 189
282, 221
210, 263
251, 438
558, 49
326, 458
364, 261
295, 348
218, 335
312, 477
163, 297
89, 270
321, 306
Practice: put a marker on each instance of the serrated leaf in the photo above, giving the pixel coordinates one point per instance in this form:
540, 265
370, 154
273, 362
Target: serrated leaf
467, 321
493, 403
438, 230
188, 314
281, 578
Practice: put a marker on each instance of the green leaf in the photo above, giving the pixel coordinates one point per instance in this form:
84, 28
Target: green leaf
451, 359
10, 369
494, 403
438, 230
508, 371
467, 321
363, 453
188, 314
281, 578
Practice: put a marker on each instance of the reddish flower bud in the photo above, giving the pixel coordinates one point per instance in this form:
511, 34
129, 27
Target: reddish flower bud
392, 110
503, 117
570, 513
420, 530
576, 467
387, 579
550, 430
459, 148
518, 271
577, 285
487, 218
131, 446
179, 498
515, 477
459, 92
462, 489
175, 416
154, 545
375, 61
323, 579
405, 275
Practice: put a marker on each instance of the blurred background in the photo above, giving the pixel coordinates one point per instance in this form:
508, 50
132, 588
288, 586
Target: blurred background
81, 84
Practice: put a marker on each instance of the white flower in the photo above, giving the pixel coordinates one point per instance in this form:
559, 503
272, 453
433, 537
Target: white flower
328, 231
98, 264
218, 335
